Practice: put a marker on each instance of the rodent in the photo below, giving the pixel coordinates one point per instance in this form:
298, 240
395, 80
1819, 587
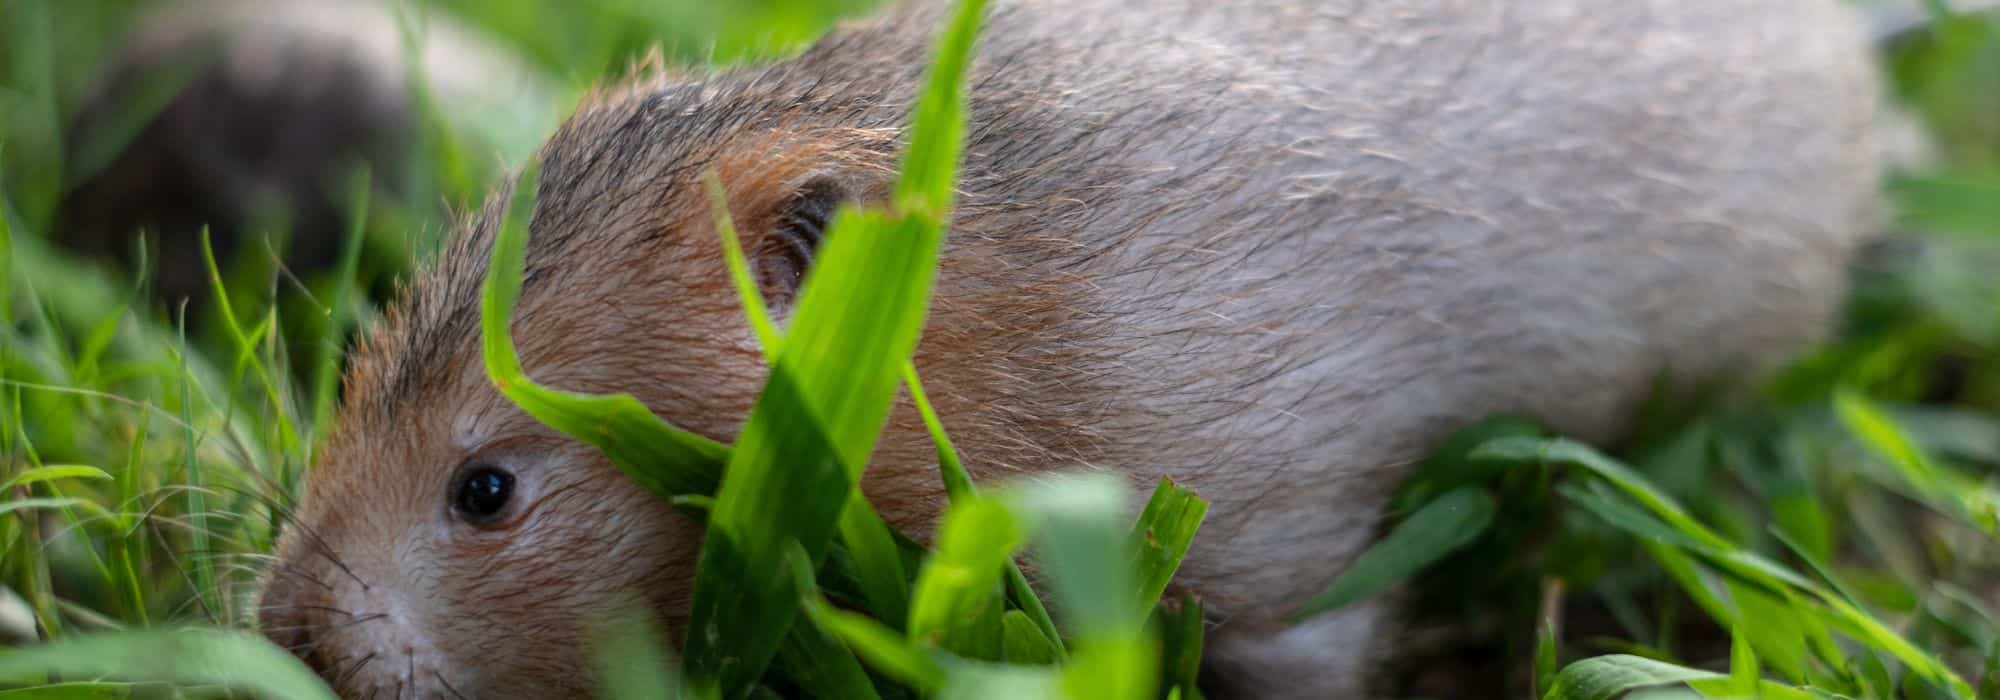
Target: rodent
1271, 249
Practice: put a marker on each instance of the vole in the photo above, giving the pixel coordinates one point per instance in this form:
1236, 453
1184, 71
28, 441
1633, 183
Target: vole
1272, 249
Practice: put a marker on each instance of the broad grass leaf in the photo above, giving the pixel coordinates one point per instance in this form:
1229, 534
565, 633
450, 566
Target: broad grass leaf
633, 661
997, 682
1445, 525
873, 555
1611, 677
801, 451
809, 434
234, 658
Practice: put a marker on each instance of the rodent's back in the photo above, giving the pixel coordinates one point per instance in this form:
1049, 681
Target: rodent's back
1276, 248
1342, 229
1315, 236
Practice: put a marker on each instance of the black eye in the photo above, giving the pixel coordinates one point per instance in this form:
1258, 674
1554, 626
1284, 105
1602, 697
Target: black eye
482, 493
788, 252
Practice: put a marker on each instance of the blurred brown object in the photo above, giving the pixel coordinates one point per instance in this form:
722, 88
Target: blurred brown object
252, 117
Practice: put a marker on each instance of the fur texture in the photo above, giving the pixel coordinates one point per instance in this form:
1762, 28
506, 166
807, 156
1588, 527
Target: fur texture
1271, 249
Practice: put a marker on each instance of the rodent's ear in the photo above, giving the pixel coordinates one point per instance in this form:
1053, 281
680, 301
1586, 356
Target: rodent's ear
787, 248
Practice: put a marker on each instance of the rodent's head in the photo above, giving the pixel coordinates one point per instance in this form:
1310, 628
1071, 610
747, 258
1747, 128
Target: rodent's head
446, 542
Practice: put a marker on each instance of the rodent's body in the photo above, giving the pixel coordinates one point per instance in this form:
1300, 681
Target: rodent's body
1272, 250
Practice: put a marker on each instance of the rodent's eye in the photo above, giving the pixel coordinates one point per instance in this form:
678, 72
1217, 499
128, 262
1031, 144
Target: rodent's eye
788, 251
481, 493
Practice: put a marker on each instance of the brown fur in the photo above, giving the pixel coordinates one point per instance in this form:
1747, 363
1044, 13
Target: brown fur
1271, 249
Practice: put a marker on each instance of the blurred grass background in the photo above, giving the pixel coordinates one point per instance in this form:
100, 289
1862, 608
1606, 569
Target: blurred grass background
201, 426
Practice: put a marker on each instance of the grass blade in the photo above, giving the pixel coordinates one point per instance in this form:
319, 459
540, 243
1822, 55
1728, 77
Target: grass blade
53, 472
957, 485
665, 460
1022, 641
1078, 527
1443, 526
237, 659
801, 452
1161, 537
958, 594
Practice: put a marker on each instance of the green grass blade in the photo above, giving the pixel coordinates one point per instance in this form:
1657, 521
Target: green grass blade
1182, 629
884, 649
237, 659
812, 657
1547, 653
1161, 537
71, 691
958, 593
53, 472
957, 481
1443, 526
1079, 525
803, 447
632, 660
957, 485
878, 560
983, 682
340, 309
197, 503
665, 460
930, 164
739, 267
48, 503
1560, 451
1022, 641
1611, 677
1950, 493
1743, 669
1807, 603
800, 453
875, 557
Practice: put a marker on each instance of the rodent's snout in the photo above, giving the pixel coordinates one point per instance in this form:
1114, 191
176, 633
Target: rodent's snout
292, 614
360, 651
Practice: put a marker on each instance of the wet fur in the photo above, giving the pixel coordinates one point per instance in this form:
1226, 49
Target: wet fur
1270, 249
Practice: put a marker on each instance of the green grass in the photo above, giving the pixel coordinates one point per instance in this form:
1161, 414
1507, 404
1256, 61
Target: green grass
1835, 536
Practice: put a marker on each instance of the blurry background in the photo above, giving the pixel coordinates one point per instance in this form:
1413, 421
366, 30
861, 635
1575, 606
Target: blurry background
327, 145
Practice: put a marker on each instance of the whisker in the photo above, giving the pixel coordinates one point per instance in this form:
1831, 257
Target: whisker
447, 685
356, 668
